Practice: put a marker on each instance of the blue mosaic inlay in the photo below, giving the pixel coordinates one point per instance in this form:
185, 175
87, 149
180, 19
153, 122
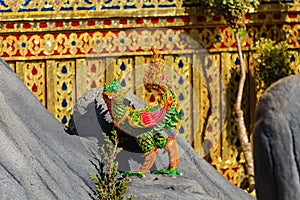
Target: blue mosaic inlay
64, 86
64, 103
181, 130
89, 5
180, 81
181, 113
64, 120
64, 70
181, 97
123, 66
123, 83
180, 64
292, 59
237, 61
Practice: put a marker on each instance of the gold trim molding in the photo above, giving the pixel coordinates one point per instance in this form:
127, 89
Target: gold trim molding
28, 10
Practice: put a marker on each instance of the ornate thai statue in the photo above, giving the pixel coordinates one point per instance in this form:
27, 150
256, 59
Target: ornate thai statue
146, 124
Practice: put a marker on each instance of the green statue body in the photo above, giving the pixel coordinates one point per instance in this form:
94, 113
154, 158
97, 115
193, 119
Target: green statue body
145, 124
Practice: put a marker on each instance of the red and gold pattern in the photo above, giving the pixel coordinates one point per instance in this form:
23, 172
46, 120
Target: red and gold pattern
133, 42
124, 66
33, 76
179, 69
61, 88
90, 73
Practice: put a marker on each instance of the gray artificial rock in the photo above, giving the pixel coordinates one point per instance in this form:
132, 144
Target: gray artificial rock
39, 160
277, 141
199, 180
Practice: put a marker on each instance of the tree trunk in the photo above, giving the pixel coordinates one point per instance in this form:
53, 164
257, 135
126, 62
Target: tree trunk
242, 131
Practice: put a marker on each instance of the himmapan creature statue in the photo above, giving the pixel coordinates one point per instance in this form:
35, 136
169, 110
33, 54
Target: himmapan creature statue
146, 124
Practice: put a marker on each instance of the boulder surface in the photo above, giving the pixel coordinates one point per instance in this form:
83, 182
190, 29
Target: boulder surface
277, 141
39, 160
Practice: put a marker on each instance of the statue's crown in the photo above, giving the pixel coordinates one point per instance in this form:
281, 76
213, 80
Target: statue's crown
157, 57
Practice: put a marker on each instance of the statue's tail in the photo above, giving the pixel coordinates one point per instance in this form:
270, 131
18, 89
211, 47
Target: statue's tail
155, 78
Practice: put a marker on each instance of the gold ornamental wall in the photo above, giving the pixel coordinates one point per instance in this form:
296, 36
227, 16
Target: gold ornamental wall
61, 49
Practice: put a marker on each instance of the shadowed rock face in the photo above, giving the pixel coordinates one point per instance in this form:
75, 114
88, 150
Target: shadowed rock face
277, 141
39, 160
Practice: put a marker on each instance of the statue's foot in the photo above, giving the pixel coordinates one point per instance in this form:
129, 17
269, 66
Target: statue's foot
131, 173
170, 172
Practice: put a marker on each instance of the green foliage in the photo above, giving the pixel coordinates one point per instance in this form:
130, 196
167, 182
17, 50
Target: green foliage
109, 184
234, 11
272, 62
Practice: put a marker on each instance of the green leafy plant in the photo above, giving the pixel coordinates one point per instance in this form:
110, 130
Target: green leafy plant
109, 184
233, 11
272, 62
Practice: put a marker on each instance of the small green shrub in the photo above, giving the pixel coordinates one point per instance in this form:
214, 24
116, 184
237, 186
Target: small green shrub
109, 184
233, 11
272, 62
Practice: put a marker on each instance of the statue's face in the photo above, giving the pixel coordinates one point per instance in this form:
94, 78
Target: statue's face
113, 87
112, 90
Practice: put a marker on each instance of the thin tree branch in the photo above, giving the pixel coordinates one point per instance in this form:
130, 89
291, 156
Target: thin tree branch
242, 131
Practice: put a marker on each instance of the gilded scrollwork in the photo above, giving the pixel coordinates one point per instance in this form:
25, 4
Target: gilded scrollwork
91, 8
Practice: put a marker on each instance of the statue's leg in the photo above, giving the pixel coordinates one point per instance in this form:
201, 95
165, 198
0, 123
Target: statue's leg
148, 162
147, 144
172, 150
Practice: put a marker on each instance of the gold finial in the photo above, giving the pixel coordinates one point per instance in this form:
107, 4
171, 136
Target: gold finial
157, 57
